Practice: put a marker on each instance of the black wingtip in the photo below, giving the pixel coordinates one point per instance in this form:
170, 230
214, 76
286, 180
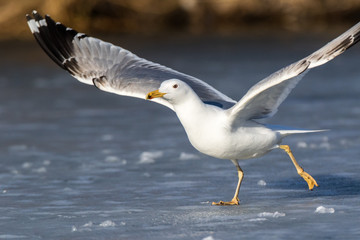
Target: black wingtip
55, 39
37, 16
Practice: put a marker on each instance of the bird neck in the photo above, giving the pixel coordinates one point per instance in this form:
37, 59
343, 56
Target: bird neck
191, 103
192, 114
188, 106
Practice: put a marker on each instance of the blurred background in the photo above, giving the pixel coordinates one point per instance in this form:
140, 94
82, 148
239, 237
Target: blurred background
186, 16
79, 163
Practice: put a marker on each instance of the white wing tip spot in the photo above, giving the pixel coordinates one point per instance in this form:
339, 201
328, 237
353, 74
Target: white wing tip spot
32, 26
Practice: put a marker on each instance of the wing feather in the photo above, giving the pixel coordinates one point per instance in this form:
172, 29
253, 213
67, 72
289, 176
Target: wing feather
264, 98
109, 67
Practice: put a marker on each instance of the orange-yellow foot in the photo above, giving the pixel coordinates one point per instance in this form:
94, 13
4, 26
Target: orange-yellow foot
309, 179
234, 201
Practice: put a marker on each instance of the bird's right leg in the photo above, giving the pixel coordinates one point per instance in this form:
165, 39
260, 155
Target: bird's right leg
235, 200
307, 177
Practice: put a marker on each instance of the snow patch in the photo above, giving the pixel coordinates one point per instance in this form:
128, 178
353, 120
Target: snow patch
146, 174
89, 224
26, 165
113, 159
274, 215
261, 183
40, 170
322, 145
149, 157
302, 145
46, 162
322, 209
106, 151
123, 162
188, 156
208, 238
107, 223
170, 174
107, 137
257, 219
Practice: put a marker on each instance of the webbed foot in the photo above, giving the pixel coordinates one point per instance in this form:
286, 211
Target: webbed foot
234, 201
309, 179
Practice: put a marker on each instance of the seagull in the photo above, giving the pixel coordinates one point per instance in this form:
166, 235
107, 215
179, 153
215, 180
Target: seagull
215, 124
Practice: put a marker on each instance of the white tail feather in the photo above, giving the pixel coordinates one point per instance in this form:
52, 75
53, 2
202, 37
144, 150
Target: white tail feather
286, 131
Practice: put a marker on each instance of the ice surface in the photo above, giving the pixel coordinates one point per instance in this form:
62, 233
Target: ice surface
170, 174
188, 156
12, 236
18, 148
70, 154
322, 209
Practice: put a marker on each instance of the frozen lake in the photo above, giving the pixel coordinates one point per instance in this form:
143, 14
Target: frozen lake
78, 163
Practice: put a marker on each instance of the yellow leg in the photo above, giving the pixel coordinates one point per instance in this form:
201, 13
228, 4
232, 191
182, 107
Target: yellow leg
235, 200
307, 177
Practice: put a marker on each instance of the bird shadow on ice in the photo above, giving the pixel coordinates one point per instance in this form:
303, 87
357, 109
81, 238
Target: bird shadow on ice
329, 185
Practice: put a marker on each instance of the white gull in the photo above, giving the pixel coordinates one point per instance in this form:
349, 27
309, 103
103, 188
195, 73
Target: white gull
215, 124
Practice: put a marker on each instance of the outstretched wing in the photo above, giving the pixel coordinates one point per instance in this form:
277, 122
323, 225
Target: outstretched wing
109, 67
264, 98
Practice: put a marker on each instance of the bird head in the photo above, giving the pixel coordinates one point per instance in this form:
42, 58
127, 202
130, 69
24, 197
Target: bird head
171, 90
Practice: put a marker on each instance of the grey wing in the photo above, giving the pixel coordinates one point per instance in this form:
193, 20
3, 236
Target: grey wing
109, 67
264, 98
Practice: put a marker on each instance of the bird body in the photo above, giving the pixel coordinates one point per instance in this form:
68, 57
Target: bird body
247, 141
215, 124
211, 131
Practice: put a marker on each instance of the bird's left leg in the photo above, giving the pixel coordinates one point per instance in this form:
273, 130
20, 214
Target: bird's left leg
235, 200
307, 177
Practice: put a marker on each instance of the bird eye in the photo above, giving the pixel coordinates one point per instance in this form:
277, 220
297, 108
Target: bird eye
175, 86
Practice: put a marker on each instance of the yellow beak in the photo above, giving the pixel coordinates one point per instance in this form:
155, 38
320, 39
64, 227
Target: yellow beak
154, 94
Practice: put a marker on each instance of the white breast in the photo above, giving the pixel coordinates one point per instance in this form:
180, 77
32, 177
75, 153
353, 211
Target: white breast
209, 132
